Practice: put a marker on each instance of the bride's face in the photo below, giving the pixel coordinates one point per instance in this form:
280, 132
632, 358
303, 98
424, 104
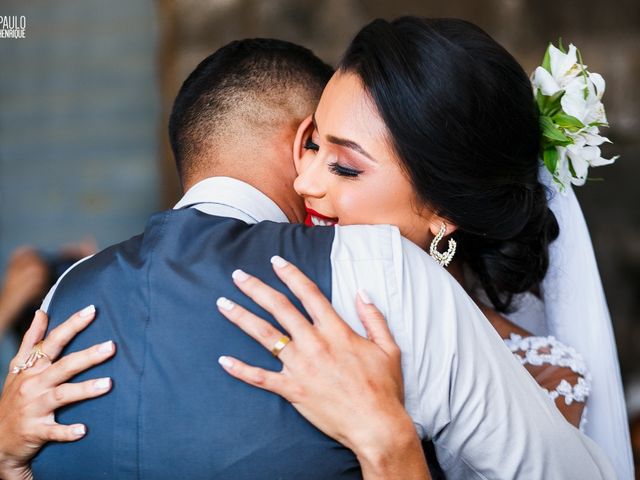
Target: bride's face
348, 171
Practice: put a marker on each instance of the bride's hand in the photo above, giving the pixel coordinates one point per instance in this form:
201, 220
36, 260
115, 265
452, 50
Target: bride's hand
31, 396
348, 386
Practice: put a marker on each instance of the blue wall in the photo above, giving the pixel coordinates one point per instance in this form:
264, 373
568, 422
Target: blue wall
79, 123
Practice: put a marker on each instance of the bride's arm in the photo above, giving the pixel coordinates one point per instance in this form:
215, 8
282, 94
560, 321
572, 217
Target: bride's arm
31, 395
565, 384
347, 386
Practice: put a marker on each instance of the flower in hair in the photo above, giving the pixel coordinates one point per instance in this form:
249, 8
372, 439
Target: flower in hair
569, 99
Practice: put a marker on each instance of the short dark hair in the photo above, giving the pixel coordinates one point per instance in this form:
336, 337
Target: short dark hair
461, 116
250, 80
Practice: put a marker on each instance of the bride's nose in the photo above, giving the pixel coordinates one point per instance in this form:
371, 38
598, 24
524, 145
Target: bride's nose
311, 179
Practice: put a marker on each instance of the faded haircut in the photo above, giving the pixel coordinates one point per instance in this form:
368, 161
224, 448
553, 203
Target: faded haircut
245, 85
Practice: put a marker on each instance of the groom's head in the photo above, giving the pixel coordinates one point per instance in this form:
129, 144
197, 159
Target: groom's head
237, 113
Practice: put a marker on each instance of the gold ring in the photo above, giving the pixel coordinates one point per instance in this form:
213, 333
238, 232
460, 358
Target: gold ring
35, 355
282, 342
37, 351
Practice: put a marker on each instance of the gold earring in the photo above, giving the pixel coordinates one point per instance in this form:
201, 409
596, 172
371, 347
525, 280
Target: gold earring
445, 258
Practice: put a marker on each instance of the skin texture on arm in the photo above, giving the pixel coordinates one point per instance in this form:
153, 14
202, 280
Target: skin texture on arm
30, 397
350, 387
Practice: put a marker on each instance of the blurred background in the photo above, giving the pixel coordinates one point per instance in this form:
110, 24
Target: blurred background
84, 102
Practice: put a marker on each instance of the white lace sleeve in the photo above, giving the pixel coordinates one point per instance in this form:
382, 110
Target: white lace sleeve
539, 351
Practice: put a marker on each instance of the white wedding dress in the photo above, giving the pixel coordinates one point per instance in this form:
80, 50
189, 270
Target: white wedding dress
575, 312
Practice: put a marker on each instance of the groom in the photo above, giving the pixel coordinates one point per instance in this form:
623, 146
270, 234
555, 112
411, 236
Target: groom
174, 413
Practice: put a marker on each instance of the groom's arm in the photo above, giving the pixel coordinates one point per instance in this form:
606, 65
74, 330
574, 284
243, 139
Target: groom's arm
463, 387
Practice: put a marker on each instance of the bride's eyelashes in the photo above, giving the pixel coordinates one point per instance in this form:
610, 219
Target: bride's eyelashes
334, 167
309, 145
338, 169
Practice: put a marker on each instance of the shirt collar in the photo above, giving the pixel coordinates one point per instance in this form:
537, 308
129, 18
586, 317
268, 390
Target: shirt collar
234, 195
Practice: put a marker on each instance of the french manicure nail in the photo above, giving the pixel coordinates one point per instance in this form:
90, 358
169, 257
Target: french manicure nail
239, 276
224, 303
106, 347
225, 362
278, 261
364, 297
87, 311
79, 430
102, 383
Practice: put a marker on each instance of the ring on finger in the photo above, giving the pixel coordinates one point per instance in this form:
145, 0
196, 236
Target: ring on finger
35, 355
282, 342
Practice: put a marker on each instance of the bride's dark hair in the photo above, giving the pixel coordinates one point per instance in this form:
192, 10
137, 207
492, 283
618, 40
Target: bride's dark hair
461, 115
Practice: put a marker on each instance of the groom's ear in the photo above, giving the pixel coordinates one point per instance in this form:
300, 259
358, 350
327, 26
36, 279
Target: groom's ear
304, 132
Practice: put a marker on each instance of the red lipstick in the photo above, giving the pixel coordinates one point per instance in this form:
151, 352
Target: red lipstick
314, 218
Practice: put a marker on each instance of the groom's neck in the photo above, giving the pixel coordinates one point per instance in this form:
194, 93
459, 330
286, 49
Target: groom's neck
272, 173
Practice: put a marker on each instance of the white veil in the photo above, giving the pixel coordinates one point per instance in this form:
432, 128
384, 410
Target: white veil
576, 313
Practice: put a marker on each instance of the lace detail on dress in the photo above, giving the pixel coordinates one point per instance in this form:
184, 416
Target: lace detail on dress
548, 350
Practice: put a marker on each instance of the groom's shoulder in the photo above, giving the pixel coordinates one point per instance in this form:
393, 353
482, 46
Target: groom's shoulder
89, 270
173, 234
129, 249
296, 236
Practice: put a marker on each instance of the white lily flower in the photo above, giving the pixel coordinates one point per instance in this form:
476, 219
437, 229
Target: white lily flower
574, 103
581, 99
545, 82
564, 68
597, 114
588, 136
583, 157
598, 83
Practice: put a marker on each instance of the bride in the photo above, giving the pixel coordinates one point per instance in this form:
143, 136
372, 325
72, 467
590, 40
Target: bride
431, 126
418, 130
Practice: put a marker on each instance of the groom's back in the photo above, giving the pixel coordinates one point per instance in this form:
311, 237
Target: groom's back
173, 412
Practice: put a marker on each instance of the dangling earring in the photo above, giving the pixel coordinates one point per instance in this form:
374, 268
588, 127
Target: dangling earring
445, 258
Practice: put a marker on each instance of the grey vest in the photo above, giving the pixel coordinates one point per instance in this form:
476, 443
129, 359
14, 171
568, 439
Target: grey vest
173, 412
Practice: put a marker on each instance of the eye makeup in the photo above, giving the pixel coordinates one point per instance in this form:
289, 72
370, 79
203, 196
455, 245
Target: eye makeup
343, 171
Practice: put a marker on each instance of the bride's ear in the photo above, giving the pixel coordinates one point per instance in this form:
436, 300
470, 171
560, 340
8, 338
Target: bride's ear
435, 224
304, 132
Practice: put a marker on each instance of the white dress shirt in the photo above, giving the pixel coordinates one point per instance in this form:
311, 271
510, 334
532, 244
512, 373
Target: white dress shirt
463, 387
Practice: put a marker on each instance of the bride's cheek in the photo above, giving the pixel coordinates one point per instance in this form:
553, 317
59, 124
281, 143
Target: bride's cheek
352, 207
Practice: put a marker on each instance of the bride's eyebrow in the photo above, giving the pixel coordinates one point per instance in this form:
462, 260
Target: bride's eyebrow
344, 142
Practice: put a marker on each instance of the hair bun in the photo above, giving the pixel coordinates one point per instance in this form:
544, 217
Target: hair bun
517, 264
